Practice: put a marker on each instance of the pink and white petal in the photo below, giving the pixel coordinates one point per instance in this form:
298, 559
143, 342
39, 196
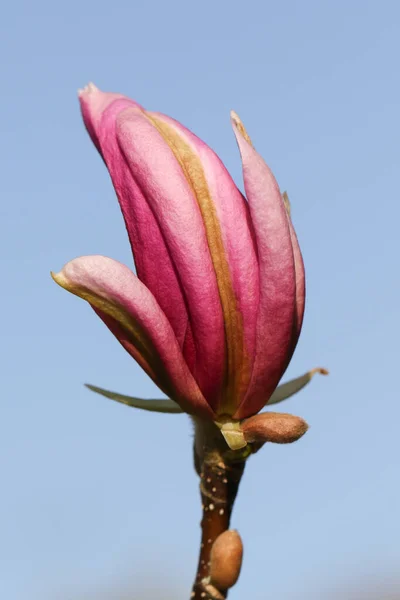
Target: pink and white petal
162, 180
133, 315
152, 259
275, 324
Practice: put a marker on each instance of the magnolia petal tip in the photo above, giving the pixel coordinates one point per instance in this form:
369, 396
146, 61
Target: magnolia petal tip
235, 118
239, 127
238, 124
54, 276
59, 278
90, 88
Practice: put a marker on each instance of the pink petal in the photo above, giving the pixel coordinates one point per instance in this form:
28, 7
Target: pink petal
95, 103
131, 312
277, 311
237, 233
170, 196
152, 259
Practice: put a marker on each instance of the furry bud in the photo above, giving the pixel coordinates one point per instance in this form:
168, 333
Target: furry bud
279, 428
226, 560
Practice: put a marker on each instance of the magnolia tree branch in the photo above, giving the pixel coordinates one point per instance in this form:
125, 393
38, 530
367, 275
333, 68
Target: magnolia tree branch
221, 449
220, 471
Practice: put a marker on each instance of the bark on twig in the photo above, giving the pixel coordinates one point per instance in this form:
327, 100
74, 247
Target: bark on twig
220, 471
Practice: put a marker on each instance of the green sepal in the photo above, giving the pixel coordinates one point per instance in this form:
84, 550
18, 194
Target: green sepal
293, 386
153, 405
282, 392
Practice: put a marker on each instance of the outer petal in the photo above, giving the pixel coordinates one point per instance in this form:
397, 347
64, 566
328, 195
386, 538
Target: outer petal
100, 111
300, 280
133, 315
299, 268
171, 187
277, 311
230, 236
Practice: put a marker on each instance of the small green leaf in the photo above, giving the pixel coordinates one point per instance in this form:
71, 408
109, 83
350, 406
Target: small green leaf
293, 386
156, 405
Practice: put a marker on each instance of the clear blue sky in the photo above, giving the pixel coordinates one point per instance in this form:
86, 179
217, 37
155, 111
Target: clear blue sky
96, 496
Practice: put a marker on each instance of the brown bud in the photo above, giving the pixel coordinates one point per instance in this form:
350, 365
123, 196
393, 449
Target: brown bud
279, 428
226, 560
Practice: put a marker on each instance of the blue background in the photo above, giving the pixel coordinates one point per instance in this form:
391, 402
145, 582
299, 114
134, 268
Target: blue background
101, 501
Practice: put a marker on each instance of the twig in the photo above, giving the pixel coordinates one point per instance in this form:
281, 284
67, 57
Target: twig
220, 472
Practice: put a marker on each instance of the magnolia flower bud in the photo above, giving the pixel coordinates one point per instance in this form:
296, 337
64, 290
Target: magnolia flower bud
226, 560
279, 428
198, 314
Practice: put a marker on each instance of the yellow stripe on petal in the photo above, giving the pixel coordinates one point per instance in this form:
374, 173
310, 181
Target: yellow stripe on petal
237, 363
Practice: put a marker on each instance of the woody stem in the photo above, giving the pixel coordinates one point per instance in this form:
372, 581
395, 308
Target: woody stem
220, 471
